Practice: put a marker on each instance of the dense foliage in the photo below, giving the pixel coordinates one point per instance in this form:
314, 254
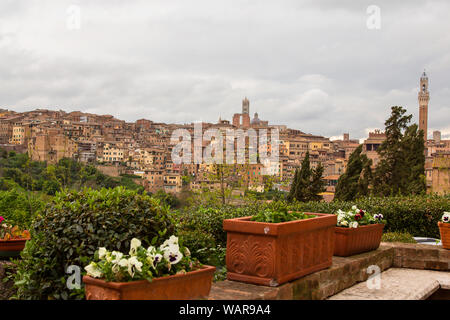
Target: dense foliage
49, 179
20, 207
402, 161
74, 225
307, 183
354, 183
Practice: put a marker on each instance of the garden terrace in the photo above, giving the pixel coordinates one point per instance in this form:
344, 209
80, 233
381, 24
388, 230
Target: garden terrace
346, 272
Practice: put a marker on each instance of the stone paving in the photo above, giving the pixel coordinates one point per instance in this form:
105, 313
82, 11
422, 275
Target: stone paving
398, 284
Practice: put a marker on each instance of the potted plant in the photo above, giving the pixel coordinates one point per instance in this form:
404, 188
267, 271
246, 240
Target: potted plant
12, 239
357, 231
444, 229
274, 247
164, 273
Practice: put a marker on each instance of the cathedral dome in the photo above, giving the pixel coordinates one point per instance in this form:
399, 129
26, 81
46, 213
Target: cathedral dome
256, 119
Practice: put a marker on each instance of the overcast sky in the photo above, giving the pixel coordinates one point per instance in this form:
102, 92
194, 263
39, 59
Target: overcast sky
313, 65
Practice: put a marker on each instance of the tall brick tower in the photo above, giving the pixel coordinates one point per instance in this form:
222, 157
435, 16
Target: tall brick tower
424, 97
245, 106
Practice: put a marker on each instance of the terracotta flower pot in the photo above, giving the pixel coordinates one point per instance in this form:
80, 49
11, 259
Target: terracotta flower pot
350, 241
444, 229
12, 247
273, 253
192, 285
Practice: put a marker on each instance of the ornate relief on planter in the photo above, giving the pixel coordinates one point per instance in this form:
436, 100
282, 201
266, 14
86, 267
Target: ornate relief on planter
444, 229
192, 285
12, 247
273, 253
350, 241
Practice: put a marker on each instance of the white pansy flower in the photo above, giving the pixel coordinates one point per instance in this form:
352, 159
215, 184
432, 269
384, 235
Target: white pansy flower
154, 259
135, 244
446, 217
133, 265
354, 208
93, 270
172, 254
344, 223
117, 256
123, 263
353, 224
151, 251
102, 252
172, 241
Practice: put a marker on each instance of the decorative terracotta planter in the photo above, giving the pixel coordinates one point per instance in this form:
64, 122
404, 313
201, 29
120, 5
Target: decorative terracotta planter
273, 253
192, 285
12, 247
350, 241
444, 229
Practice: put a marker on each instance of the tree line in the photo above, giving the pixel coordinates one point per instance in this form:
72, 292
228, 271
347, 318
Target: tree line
401, 170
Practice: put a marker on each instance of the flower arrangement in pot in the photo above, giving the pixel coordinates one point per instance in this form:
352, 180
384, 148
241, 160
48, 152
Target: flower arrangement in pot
12, 239
276, 246
167, 272
444, 229
357, 231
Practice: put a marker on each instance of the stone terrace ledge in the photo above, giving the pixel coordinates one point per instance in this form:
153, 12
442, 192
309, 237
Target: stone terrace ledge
344, 273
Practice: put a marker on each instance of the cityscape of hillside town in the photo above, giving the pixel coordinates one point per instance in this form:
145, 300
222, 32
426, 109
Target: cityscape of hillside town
144, 148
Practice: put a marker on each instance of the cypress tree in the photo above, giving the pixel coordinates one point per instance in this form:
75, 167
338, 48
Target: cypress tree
317, 184
356, 179
293, 190
401, 169
303, 180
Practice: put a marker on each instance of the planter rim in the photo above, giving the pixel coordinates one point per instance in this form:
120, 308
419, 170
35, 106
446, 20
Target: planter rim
247, 219
444, 224
246, 226
118, 285
13, 240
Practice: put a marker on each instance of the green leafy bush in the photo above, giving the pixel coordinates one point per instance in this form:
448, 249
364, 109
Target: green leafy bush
417, 215
74, 225
19, 207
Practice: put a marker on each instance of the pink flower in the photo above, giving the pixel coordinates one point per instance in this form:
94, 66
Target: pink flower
2, 219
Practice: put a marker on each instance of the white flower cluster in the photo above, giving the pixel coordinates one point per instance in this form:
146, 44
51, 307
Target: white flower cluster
168, 253
356, 217
446, 217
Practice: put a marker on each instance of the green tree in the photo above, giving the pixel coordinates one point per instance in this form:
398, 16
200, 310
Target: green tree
356, 178
317, 185
401, 168
307, 183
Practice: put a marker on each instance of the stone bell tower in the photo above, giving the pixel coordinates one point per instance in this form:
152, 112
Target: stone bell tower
424, 97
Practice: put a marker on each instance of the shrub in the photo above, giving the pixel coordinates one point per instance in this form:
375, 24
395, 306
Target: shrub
417, 215
398, 237
201, 229
74, 225
20, 208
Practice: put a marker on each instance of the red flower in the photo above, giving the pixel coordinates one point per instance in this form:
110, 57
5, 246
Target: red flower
1, 219
358, 216
361, 213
